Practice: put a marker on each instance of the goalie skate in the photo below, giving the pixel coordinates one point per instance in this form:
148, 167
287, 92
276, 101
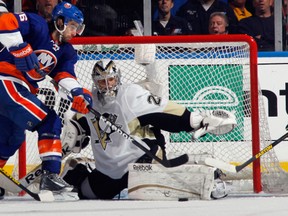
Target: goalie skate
220, 189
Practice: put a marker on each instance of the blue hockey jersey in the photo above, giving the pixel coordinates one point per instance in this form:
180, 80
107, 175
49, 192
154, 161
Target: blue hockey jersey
56, 59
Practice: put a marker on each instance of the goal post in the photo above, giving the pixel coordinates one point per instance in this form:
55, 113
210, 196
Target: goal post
200, 72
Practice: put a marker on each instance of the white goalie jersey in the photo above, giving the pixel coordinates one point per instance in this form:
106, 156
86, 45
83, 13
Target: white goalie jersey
111, 150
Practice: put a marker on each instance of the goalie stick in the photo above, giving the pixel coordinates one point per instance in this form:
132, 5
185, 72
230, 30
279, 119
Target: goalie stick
182, 159
44, 196
234, 169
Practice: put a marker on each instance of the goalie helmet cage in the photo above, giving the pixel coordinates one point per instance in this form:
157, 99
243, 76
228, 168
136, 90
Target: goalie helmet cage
200, 72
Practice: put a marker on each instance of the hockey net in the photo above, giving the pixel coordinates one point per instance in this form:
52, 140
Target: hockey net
200, 72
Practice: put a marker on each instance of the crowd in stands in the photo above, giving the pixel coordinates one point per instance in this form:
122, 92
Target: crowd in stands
175, 17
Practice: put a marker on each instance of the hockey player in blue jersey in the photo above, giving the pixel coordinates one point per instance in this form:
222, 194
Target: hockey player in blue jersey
32, 50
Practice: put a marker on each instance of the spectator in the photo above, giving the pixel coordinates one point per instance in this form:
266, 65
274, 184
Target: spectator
239, 9
218, 23
29, 5
127, 12
197, 13
261, 25
101, 17
166, 23
45, 8
177, 5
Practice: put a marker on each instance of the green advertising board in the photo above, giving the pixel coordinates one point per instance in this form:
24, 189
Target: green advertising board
208, 87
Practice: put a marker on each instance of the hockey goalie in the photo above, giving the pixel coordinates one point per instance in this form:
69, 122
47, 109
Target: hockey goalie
120, 164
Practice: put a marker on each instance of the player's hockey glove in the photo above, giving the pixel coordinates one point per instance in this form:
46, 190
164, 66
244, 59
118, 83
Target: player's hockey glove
26, 61
82, 99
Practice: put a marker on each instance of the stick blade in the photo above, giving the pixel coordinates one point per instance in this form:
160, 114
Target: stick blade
182, 159
220, 165
46, 196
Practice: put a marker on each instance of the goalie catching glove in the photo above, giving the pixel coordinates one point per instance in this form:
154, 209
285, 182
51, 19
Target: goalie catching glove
217, 122
82, 100
74, 135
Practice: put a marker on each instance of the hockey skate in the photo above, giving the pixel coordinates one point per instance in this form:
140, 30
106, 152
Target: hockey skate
220, 189
61, 190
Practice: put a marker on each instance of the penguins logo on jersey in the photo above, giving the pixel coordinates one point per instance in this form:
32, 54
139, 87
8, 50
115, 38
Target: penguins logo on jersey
104, 130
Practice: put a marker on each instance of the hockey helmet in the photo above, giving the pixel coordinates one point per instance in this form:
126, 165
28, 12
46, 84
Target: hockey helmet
106, 79
69, 12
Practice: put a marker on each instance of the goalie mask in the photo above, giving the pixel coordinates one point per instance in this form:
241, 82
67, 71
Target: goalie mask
68, 12
106, 81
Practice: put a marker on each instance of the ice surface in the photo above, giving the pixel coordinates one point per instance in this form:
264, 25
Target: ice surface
230, 206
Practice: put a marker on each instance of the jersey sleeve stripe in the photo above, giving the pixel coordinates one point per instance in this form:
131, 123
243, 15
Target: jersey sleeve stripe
36, 111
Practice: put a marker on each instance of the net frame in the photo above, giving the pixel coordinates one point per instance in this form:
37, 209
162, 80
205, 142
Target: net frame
254, 91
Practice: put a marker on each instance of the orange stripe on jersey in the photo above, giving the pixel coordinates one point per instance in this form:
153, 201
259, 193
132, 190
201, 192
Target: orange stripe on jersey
8, 22
49, 145
10, 69
62, 75
27, 104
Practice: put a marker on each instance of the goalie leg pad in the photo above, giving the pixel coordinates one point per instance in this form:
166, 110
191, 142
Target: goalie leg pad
155, 182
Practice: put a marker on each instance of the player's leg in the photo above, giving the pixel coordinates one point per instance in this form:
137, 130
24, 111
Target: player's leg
28, 112
12, 136
11, 139
50, 148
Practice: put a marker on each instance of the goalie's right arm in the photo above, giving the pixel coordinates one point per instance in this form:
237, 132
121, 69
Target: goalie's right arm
76, 133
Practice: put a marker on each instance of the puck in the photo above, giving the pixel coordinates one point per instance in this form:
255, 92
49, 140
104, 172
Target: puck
182, 199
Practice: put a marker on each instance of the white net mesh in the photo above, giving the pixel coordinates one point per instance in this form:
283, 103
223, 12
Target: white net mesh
198, 75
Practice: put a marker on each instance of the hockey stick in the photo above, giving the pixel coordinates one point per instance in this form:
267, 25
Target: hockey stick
44, 196
182, 159
34, 174
234, 169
